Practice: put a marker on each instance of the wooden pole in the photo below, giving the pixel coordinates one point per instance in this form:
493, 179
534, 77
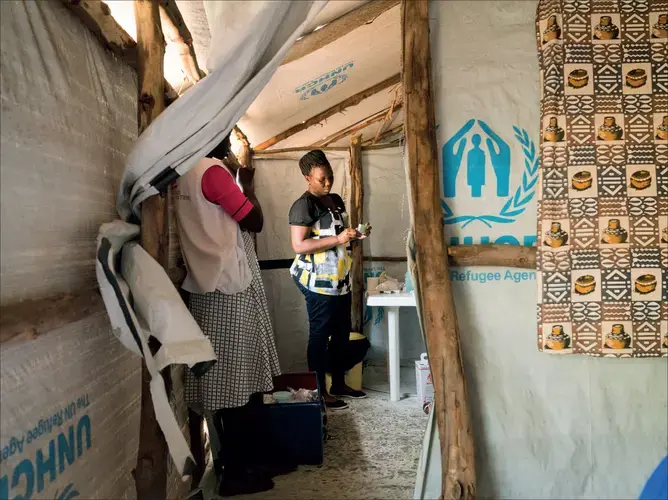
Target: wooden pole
435, 290
151, 470
357, 217
178, 35
338, 28
355, 127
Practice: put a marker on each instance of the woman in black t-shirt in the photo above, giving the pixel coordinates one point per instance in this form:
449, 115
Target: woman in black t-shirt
322, 239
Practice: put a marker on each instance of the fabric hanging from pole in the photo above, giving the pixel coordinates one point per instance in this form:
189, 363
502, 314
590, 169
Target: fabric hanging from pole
249, 41
603, 201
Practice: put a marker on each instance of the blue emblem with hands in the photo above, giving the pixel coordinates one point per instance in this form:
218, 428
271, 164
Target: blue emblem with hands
464, 153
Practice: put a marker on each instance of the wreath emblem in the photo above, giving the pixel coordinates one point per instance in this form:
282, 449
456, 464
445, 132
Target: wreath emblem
516, 203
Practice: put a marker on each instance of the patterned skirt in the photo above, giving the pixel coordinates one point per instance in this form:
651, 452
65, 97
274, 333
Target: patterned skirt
239, 328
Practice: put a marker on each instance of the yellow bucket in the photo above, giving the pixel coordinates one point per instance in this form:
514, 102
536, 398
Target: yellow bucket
353, 376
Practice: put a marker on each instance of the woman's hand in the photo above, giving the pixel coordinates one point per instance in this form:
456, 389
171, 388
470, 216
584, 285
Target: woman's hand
346, 236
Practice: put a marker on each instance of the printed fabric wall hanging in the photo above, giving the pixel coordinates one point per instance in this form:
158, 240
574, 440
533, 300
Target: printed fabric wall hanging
603, 196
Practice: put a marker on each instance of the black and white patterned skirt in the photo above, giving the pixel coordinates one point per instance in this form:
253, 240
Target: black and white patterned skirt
239, 328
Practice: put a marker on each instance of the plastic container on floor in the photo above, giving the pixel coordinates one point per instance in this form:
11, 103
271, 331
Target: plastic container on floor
354, 375
291, 433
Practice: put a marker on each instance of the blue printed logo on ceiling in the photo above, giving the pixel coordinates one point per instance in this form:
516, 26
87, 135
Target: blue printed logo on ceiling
324, 82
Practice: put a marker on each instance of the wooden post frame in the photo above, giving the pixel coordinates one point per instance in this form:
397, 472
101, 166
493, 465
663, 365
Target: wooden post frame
151, 471
435, 289
356, 217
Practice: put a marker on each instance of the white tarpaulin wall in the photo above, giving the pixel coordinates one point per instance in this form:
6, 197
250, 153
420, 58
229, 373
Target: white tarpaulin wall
278, 184
69, 418
545, 426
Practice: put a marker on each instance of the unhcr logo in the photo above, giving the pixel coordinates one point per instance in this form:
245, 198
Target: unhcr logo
477, 153
324, 82
484, 158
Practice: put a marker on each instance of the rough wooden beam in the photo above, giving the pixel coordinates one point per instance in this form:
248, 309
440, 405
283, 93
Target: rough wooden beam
356, 218
338, 108
388, 119
275, 152
435, 289
178, 35
96, 15
246, 156
514, 256
151, 470
356, 127
338, 28
384, 135
29, 319
522, 257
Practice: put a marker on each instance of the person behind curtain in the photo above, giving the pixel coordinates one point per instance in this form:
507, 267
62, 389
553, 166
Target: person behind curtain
322, 239
216, 211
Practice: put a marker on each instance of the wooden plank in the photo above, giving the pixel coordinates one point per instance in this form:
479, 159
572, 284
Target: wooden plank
514, 256
435, 289
356, 127
178, 35
151, 471
29, 319
338, 108
96, 16
388, 119
338, 28
357, 217
384, 135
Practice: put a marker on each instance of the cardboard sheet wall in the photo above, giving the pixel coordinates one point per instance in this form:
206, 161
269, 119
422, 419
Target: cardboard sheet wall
69, 419
278, 184
545, 426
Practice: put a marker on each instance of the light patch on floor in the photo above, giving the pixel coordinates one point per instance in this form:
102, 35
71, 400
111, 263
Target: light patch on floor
372, 453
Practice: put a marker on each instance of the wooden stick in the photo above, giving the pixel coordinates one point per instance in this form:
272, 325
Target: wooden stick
178, 35
338, 28
356, 218
435, 289
338, 108
29, 319
384, 135
514, 256
96, 16
388, 119
246, 159
151, 470
275, 152
356, 127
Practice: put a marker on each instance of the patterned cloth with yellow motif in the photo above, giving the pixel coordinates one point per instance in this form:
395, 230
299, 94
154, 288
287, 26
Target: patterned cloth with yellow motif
603, 196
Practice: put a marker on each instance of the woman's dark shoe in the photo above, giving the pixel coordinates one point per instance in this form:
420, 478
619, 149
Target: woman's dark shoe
347, 392
336, 405
244, 483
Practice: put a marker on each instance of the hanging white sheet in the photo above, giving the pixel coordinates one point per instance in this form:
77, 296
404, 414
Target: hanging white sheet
249, 40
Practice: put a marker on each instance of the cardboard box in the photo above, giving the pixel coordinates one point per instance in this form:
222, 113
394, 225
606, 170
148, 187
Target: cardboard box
425, 384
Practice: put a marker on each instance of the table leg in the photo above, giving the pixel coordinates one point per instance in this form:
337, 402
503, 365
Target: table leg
395, 367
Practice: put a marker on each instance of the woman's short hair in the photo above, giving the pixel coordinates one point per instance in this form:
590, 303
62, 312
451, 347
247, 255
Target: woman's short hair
313, 159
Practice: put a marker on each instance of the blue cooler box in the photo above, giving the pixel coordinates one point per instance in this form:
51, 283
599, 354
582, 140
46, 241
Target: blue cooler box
291, 432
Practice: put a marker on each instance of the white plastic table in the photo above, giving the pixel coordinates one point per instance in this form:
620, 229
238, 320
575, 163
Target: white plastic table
392, 302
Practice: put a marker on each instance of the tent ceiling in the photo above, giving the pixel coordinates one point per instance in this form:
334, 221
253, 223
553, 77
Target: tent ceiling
360, 59
307, 86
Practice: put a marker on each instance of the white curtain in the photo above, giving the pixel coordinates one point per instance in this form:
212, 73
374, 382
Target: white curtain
249, 39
